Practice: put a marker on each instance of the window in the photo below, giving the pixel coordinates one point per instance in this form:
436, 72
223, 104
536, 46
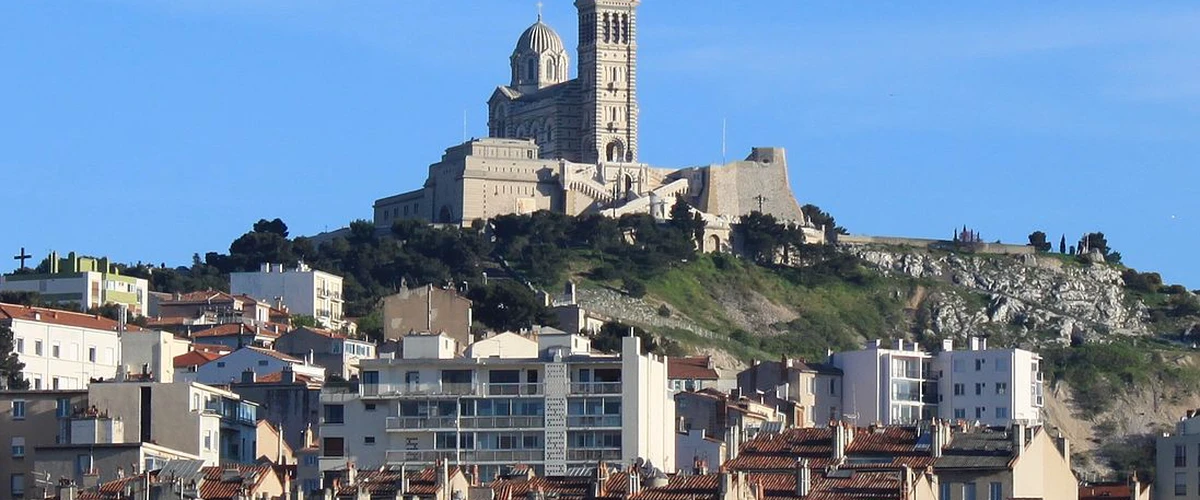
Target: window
16, 485
208, 440
92, 354
55, 350
968, 491
979, 389
312, 484
979, 364
995, 491
960, 389
1001, 388
18, 410
262, 362
37, 347
335, 347
310, 460
335, 414
832, 386
220, 364
37, 383
20, 345
979, 411
335, 446
945, 493
369, 407
1180, 482
1002, 412
369, 440
1180, 455
960, 413
18, 447
63, 408
54, 383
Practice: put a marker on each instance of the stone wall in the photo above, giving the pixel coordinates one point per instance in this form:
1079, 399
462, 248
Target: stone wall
735, 189
986, 248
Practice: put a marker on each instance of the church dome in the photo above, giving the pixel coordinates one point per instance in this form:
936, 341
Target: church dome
539, 38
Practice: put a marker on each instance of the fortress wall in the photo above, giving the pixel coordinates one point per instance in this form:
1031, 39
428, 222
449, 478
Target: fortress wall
733, 189
988, 248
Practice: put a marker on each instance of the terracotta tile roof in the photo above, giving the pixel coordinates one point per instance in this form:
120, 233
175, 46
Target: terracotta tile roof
213, 488
213, 348
386, 482
60, 317
883, 447
565, 487
278, 377
683, 488
1105, 491
203, 297
194, 358
321, 332
836, 484
696, 367
234, 329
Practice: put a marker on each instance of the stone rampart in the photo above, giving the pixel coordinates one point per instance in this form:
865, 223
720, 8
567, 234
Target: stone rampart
986, 248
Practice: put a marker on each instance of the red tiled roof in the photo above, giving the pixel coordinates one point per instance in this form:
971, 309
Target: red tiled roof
203, 297
833, 485
1107, 491
194, 358
213, 348
60, 317
213, 488
386, 482
884, 447
565, 487
321, 332
233, 329
278, 377
695, 367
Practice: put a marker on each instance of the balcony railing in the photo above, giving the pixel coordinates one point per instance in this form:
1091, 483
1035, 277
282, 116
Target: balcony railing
507, 456
595, 387
514, 389
509, 422
593, 455
594, 421
452, 389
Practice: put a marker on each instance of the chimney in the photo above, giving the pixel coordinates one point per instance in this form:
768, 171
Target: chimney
839, 441
948, 344
936, 437
351, 473
287, 376
248, 376
974, 342
723, 483
1135, 486
803, 478
635, 483
1063, 445
1018, 438
66, 490
709, 362
403, 479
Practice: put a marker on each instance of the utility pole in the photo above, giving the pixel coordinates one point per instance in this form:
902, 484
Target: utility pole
760, 198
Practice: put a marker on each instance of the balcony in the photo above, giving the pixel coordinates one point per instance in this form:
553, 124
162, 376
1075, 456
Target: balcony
430, 423
504, 456
593, 455
451, 389
595, 387
594, 421
514, 389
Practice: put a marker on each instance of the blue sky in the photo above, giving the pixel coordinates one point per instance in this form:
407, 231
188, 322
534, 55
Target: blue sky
153, 129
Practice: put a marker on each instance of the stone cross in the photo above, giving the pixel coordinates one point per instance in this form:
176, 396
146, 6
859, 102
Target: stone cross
22, 256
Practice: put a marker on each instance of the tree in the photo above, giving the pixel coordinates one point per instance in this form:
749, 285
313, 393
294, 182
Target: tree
1062, 244
507, 306
273, 227
760, 236
1037, 240
821, 218
1097, 241
10, 364
304, 320
608, 339
690, 224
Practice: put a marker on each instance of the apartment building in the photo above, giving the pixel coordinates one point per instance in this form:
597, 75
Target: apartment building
692, 373
29, 419
994, 387
303, 290
565, 406
152, 353
63, 350
186, 313
334, 351
1177, 460
996, 463
213, 424
427, 308
289, 400
247, 364
809, 394
85, 281
905, 384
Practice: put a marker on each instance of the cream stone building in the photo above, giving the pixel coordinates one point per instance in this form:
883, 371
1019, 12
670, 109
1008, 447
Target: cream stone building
570, 145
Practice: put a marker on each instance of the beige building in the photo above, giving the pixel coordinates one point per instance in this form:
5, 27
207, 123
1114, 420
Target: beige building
810, 394
1017, 462
427, 309
28, 420
570, 145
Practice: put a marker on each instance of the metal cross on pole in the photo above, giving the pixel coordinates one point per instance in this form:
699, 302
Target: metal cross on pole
22, 256
760, 199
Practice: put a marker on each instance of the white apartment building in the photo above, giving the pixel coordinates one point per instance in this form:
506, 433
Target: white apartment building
241, 363
889, 386
903, 385
303, 290
991, 386
1177, 461
62, 350
554, 407
86, 281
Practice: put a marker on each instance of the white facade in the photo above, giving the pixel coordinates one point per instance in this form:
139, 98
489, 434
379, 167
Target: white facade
60, 349
152, 352
888, 386
230, 367
303, 290
552, 411
991, 386
506, 344
89, 289
1177, 459
904, 385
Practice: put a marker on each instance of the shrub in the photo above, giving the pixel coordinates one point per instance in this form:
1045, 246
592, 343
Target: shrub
664, 311
635, 288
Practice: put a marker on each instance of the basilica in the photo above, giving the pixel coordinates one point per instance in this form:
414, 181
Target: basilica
570, 145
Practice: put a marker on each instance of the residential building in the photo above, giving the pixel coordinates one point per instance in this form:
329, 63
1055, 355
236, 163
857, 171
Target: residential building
305, 291
725, 417
61, 349
271, 447
1001, 463
214, 424
1177, 460
248, 363
290, 401
334, 351
1131, 489
152, 353
994, 387
427, 309
889, 386
696, 451
29, 419
98, 451
184, 313
809, 394
692, 373
85, 281
192, 480
565, 407
238, 335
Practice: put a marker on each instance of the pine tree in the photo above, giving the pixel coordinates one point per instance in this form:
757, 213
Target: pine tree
10, 365
1062, 244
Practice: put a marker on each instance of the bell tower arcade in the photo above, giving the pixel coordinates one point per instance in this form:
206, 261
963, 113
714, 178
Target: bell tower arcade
608, 79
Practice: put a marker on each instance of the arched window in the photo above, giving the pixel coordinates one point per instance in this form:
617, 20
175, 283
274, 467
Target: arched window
616, 152
532, 70
607, 27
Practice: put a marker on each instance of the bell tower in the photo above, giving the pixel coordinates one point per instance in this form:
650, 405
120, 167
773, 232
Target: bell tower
608, 78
